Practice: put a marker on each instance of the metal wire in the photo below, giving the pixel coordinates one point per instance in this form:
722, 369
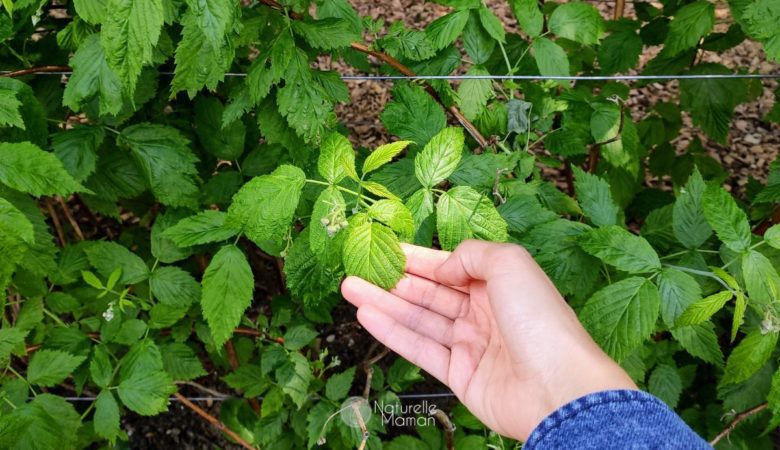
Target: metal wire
507, 77
223, 398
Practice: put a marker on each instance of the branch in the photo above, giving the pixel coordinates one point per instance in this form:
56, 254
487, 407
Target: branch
449, 428
619, 7
33, 70
214, 421
55, 220
70, 218
737, 419
593, 157
761, 228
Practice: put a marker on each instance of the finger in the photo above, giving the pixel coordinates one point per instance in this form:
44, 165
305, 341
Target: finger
431, 295
423, 261
416, 348
428, 323
480, 260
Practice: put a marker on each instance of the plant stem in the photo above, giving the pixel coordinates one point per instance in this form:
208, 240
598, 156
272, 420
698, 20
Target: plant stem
54, 317
703, 274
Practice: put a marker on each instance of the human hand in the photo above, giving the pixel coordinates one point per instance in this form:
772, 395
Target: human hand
486, 321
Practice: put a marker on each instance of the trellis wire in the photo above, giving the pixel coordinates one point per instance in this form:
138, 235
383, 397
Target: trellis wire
506, 77
226, 397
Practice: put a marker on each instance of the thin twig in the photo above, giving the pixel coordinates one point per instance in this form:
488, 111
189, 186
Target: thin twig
593, 157
203, 388
773, 219
620, 6
213, 421
55, 220
70, 218
449, 428
737, 419
33, 70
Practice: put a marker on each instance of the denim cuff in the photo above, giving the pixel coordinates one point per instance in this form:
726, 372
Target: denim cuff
614, 419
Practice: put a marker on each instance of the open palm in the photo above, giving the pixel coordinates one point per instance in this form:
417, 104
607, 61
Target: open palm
486, 321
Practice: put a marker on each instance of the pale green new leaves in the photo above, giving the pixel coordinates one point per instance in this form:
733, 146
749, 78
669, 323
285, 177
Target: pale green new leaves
383, 155
27, 168
749, 356
688, 221
463, 213
50, 367
492, 24
703, 309
372, 252
324, 245
618, 247
440, 157
772, 236
394, 214
337, 159
761, 279
202, 228
93, 77
622, 315
577, 21
227, 291
726, 218
263, 208
130, 31
166, 160
9, 109
690, 23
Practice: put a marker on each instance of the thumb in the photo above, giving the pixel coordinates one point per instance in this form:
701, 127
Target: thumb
482, 261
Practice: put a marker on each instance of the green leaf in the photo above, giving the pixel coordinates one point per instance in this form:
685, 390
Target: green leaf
9, 109
622, 315
691, 22
595, 198
294, 377
337, 159
444, 30
550, 58
91, 11
761, 279
263, 208
224, 142
761, 19
298, 337
164, 156
173, 286
249, 379
203, 228
181, 362
10, 339
309, 277
473, 94
618, 247
620, 51
77, 149
678, 291
379, 190
413, 114
326, 33
749, 356
463, 213
666, 384
700, 341
523, 212
711, 102
577, 21
688, 221
106, 418
703, 309
394, 214
528, 15
50, 367
383, 155
402, 375
338, 385
146, 393
27, 168
100, 367
107, 256
303, 101
740, 307
48, 421
325, 243
92, 77
440, 157
492, 24
372, 252
772, 236
130, 31
227, 291
727, 219
206, 49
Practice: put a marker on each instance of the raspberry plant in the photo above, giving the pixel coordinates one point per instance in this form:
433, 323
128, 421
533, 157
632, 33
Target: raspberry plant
187, 176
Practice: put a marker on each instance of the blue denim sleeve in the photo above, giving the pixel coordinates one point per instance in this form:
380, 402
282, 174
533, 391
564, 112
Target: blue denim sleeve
614, 419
